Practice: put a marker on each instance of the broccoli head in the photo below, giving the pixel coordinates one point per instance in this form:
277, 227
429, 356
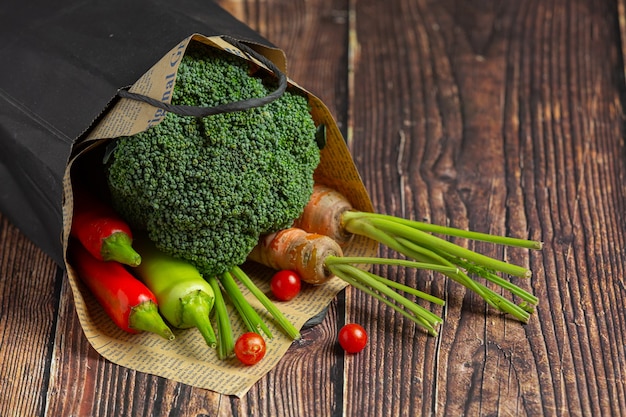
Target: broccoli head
205, 189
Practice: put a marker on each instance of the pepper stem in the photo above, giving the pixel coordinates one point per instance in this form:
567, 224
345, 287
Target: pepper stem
146, 317
196, 308
118, 247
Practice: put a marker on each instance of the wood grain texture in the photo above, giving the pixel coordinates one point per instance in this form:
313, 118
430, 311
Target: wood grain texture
29, 296
497, 116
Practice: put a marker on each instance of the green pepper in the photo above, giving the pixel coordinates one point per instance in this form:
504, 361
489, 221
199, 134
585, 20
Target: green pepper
185, 297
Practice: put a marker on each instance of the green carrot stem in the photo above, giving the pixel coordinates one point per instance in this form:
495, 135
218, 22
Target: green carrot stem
451, 231
284, 323
481, 271
250, 317
527, 307
409, 290
507, 306
507, 285
412, 250
416, 319
493, 299
350, 260
361, 280
404, 301
430, 241
367, 260
226, 345
366, 279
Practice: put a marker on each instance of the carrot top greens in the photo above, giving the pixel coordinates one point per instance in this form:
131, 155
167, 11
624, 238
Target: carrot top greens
331, 214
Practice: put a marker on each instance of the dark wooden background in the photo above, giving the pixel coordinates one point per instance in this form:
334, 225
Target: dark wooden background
499, 116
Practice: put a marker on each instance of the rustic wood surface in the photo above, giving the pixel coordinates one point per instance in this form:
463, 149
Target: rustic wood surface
499, 116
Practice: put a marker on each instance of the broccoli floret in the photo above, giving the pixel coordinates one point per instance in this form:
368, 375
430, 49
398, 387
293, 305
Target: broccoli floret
205, 189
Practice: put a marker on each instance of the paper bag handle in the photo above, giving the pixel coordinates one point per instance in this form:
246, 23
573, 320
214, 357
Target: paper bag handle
197, 111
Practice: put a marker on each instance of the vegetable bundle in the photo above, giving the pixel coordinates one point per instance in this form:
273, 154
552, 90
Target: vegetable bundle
331, 214
206, 194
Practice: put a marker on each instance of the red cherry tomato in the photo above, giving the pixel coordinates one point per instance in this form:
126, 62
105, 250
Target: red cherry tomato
250, 348
352, 338
285, 285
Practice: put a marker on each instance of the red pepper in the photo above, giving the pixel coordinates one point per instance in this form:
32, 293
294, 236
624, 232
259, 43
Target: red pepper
101, 230
129, 303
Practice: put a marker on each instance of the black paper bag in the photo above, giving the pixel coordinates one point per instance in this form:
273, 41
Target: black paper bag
63, 65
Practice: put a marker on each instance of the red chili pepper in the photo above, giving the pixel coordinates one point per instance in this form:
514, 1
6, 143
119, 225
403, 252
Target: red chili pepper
101, 230
129, 303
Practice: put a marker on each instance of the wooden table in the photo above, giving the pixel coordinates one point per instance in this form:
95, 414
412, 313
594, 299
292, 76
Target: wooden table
498, 116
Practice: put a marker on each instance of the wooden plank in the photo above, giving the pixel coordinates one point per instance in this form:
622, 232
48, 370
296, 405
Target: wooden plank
29, 293
504, 118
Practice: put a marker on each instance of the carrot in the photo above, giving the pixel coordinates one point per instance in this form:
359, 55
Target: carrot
298, 250
318, 258
101, 230
127, 301
324, 213
330, 213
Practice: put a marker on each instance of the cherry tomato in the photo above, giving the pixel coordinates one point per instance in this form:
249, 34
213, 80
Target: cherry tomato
352, 338
285, 285
250, 348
